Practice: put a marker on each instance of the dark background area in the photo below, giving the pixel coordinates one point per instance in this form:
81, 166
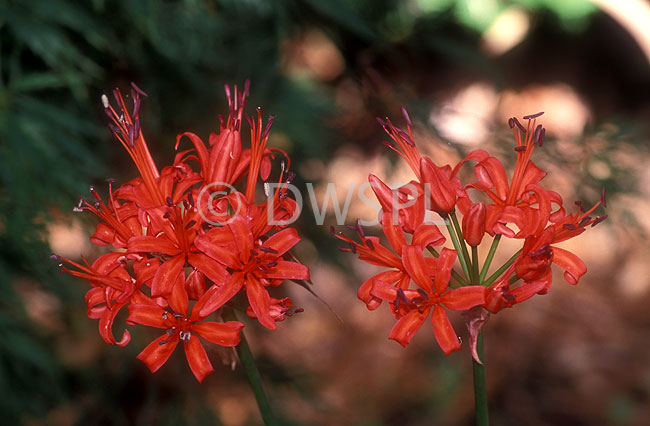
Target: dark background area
578, 356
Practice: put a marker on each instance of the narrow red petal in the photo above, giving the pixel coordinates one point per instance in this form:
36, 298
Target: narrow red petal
208, 267
150, 315
178, 300
157, 352
444, 332
282, 241
415, 265
427, 235
260, 302
224, 254
443, 269
166, 276
224, 334
145, 244
106, 326
197, 358
216, 296
288, 270
463, 298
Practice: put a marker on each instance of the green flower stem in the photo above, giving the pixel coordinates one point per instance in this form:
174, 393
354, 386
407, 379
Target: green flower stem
463, 256
460, 281
480, 393
253, 374
502, 269
490, 256
475, 275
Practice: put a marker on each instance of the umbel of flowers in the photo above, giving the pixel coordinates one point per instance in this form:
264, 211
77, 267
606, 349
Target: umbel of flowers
494, 205
184, 240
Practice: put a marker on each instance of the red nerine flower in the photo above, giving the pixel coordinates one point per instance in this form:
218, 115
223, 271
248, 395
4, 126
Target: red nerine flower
179, 326
412, 307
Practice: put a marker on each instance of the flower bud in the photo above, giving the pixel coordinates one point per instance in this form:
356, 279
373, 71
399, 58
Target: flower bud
474, 224
439, 184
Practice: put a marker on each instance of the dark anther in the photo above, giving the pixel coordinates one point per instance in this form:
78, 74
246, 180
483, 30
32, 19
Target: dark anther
184, 336
249, 120
511, 123
369, 243
290, 177
110, 180
253, 252
417, 300
401, 295
268, 250
585, 220
55, 257
190, 224
136, 127
405, 136
137, 89
131, 136
344, 248
359, 229
598, 220
332, 231
116, 95
247, 86
114, 129
540, 140
521, 127
190, 199
178, 315
381, 122
389, 144
169, 201
164, 315
538, 132
299, 310
603, 200
264, 269
531, 116
267, 128
170, 331
520, 148
405, 114
351, 227
353, 248
569, 226
163, 342
397, 301
136, 105
511, 298
166, 215
423, 293
579, 204
272, 264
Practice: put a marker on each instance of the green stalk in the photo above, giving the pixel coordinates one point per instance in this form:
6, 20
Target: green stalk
490, 256
480, 392
475, 275
502, 269
463, 256
253, 374
460, 281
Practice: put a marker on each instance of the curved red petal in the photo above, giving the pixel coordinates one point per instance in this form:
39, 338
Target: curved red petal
158, 351
282, 241
106, 326
146, 244
574, 266
406, 327
427, 235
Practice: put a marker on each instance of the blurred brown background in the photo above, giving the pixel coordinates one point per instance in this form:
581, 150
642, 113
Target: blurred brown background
577, 356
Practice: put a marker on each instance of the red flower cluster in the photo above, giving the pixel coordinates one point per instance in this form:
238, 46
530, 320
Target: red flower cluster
519, 208
185, 241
